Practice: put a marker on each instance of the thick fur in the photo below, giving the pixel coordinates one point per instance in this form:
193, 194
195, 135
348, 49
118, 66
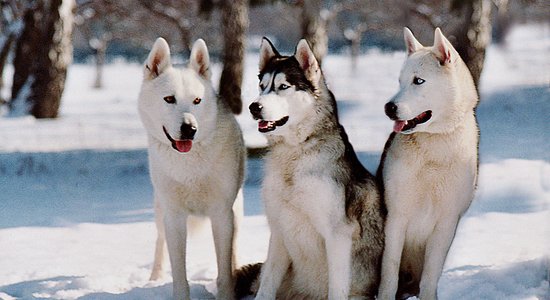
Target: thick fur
203, 181
323, 207
429, 171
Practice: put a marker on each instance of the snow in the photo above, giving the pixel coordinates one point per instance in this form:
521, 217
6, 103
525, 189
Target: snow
76, 217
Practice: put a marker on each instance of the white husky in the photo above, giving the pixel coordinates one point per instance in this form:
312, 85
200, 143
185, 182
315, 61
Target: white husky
429, 166
196, 160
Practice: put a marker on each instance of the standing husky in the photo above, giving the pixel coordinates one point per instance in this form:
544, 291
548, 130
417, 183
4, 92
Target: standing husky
429, 166
322, 205
196, 158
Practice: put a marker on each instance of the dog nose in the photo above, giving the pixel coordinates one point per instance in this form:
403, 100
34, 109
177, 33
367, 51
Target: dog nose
188, 131
256, 110
391, 110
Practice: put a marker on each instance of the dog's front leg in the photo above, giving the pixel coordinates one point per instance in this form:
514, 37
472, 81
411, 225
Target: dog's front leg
176, 237
395, 238
223, 227
158, 263
274, 268
338, 248
437, 246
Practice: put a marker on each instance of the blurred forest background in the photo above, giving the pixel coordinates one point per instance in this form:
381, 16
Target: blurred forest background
42, 38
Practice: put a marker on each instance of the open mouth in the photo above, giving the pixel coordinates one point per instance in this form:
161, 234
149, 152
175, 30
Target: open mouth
179, 145
267, 126
407, 125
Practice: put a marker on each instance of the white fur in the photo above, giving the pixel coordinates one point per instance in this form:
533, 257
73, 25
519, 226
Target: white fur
203, 181
308, 227
429, 173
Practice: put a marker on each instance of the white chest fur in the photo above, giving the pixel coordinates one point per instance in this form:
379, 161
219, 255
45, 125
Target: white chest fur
304, 205
429, 177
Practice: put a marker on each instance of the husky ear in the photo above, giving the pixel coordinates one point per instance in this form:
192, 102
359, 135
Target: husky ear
267, 52
158, 60
307, 61
442, 48
200, 60
410, 41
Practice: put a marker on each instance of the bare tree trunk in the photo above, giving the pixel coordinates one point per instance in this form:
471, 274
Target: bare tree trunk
100, 48
4, 52
99, 63
475, 36
179, 20
54, 57
314, 28
234, 27
43, 53
10, 22
185, 37
354, 36
25, 49
503, 22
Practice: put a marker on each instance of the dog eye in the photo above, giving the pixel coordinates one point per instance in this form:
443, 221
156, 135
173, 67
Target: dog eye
418, 80
197, 101
284, 86
262, 86
170, 99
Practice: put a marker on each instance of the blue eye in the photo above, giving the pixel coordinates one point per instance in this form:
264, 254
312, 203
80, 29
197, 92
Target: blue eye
418, 80
284, 86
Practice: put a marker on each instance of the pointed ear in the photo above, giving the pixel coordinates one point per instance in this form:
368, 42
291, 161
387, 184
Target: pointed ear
267, 51
158, 60
307, 61
200, 60
411, 42
442, 48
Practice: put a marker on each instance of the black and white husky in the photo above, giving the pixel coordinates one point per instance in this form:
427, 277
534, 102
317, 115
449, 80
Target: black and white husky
322, 205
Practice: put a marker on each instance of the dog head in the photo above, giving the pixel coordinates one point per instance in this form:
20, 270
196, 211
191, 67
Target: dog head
288, 87
436, 88
177, 106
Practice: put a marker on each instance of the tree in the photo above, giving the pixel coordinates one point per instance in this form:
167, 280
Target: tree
180, 14
475, 35
23, 61
93, 20
43, 54
101, 22
10, 21
235, 25
502, 21
314, 27
354, 35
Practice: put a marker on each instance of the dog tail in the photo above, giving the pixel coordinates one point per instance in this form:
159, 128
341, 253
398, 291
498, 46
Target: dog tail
247, 280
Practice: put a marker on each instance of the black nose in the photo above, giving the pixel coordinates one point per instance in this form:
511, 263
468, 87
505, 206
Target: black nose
256, 110
391, 110
188, 131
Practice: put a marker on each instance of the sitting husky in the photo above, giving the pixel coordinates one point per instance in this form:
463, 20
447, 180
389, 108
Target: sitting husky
429, 166
196, 160
322, 205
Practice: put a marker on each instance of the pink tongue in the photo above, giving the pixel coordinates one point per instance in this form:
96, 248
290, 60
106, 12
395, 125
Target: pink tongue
263, 124
184, 146
398, 126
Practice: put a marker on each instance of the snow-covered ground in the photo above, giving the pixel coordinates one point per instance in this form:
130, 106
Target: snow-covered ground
76, 219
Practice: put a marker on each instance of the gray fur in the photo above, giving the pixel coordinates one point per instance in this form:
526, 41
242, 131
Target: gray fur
318, 196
